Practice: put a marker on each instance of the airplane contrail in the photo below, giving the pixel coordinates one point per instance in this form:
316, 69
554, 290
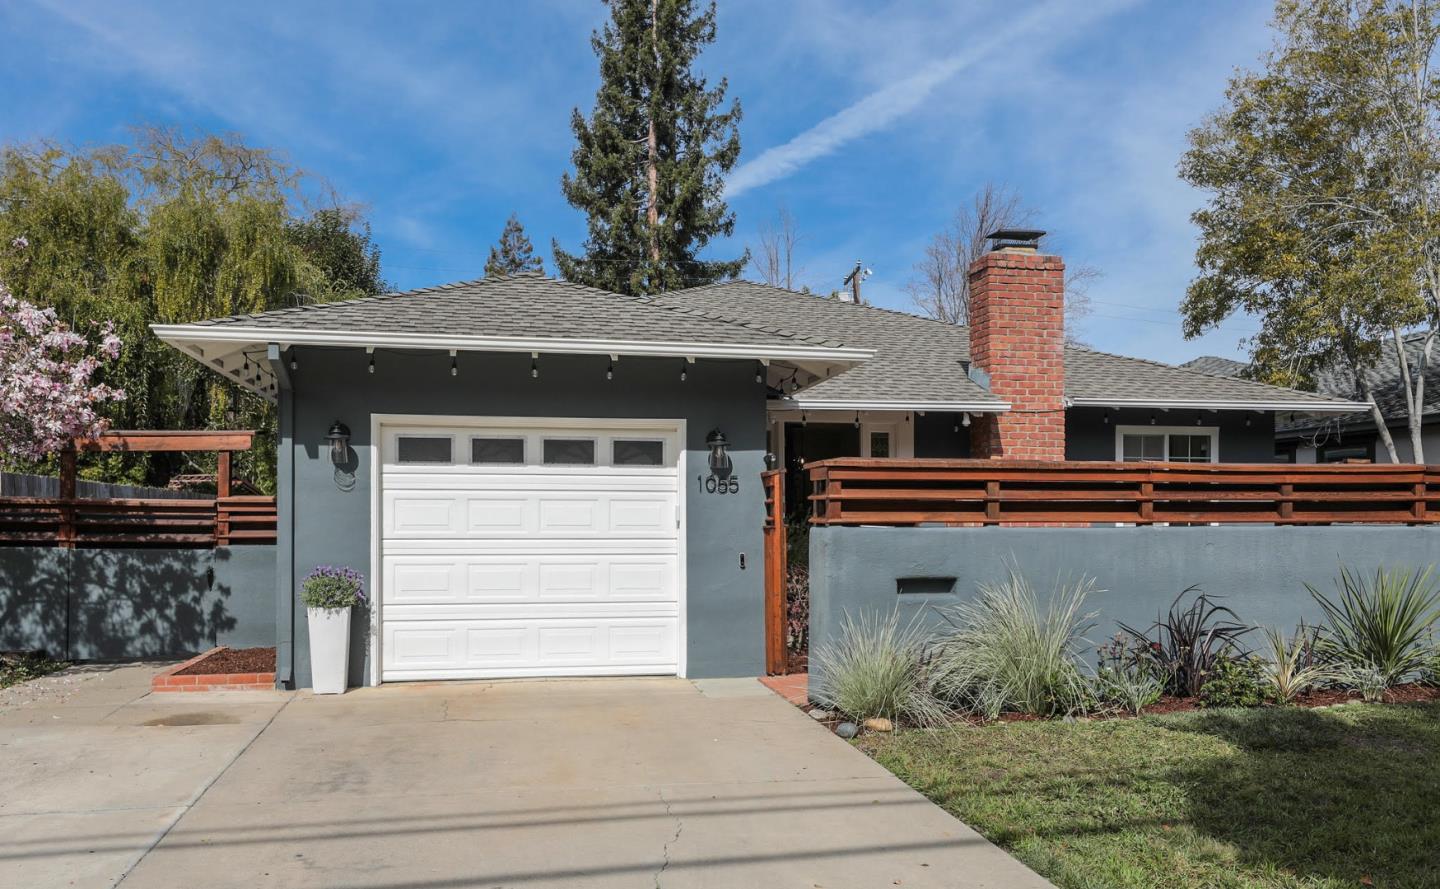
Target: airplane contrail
882, 107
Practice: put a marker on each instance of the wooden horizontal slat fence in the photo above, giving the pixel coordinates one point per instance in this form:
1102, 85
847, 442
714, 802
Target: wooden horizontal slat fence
855, 491
70, 523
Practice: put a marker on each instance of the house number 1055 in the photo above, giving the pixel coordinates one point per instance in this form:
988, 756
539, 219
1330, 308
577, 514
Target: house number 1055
711, 484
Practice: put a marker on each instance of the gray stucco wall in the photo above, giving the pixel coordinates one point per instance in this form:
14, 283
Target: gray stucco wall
86, 604
1260, 570
1089, 437
724, 604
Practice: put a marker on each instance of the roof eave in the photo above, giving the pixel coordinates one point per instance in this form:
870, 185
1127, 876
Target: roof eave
188, 336
1210, 404
807, 404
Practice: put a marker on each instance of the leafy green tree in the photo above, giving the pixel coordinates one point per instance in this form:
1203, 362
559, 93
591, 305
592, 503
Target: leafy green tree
651, 159
1324, 177
514, 254
170, 229
338, 243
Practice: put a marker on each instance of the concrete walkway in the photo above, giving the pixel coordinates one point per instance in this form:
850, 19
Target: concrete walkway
626, 783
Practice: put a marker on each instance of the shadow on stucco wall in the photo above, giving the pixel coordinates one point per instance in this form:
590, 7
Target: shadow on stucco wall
124, 603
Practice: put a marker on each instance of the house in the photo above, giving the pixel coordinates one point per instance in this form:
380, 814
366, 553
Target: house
1336, 438
540, 478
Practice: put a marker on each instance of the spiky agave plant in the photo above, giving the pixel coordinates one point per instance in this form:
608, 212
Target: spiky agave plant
1290, 667
1378, 625
1007, 652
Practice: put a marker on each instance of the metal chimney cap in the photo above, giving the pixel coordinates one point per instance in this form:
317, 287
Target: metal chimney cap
1025, 238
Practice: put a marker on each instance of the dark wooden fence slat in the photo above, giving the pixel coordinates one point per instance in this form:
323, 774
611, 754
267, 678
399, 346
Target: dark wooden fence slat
851, 491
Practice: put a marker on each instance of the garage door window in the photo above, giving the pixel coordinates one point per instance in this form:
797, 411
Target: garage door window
423, 449
631, 452
569, 451
497, 451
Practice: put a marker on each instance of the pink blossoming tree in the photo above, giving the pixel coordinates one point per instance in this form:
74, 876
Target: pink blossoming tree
47, 396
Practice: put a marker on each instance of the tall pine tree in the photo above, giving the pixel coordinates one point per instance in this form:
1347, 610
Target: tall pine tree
514, 254
651, 160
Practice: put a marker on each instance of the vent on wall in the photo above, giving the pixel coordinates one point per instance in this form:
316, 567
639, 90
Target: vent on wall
910, 586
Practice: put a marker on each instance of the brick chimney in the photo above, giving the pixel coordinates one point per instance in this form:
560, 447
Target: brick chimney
1017, 337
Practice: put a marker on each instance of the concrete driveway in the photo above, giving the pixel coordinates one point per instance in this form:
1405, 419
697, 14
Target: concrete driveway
643, 782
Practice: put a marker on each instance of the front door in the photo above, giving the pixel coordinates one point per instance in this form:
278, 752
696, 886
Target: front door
807, 443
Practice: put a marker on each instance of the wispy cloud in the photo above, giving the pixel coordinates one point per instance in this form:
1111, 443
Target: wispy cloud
878, 110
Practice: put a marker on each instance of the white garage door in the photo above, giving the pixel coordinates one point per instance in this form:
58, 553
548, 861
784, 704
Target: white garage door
529, 551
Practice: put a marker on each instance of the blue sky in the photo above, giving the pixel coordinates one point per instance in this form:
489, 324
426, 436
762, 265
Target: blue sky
870, 123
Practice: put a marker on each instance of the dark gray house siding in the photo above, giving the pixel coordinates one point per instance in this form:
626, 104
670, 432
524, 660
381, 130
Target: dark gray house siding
1089, 437
332, 517
935, 436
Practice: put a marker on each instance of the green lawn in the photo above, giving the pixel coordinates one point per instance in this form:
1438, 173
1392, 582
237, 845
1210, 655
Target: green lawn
1341, 796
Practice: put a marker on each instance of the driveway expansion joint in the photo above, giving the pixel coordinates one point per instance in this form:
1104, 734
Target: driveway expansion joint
190, 803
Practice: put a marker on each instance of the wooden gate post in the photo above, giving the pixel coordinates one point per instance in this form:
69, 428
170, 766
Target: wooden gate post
773, 481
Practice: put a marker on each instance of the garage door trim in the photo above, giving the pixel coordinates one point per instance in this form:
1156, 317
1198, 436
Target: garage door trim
379, 421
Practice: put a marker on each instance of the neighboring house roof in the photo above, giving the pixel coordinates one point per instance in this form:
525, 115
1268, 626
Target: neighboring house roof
1214, 364
518, 313
1385, 380
918, 360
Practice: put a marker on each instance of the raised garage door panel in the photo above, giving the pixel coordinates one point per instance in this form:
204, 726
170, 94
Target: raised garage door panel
533, 568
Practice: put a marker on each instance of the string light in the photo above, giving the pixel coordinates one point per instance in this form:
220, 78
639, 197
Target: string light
294, 365
534, 367
610, 371
683, 373
372, 362
454, 370
1152, 419
759, 372
857, 419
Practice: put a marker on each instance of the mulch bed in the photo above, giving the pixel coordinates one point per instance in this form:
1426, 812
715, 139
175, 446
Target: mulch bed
233, 660
1410, 693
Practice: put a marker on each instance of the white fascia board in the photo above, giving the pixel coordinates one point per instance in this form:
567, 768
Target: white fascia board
182, 335
1310, 407
972, 407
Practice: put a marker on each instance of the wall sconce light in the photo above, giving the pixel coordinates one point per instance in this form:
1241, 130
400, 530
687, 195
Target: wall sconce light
339, 438
719, 455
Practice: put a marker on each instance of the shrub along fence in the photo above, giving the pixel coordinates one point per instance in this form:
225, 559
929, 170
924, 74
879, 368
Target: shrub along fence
914, 536
1259, 571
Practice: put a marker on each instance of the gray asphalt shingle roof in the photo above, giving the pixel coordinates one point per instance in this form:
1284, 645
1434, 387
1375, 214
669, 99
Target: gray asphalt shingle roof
1214, 364
917, 359
1385, 379
526, 305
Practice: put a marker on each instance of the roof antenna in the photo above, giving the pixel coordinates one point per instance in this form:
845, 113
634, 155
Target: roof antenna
857, 274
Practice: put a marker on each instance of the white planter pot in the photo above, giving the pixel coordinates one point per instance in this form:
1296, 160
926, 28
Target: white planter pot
329, 649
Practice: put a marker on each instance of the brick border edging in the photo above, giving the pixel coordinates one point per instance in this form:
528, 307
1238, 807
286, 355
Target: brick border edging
168, 679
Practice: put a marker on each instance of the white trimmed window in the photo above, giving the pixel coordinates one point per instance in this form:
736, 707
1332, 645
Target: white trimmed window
1167, 444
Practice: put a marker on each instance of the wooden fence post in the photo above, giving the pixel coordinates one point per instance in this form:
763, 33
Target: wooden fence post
65, 534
